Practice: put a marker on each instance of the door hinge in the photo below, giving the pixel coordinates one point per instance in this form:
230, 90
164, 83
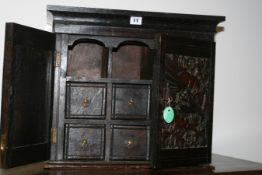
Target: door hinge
53, 135
57, 59
3, 146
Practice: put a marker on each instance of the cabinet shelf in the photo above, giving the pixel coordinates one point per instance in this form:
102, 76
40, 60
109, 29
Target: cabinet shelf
106, 80
127, 60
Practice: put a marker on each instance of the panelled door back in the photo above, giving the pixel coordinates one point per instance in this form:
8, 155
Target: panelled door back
26, 102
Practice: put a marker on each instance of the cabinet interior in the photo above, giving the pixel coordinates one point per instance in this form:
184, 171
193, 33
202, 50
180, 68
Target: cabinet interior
132, 61
87, 58
92, 59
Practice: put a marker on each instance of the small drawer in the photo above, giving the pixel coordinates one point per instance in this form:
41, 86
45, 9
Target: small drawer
86, 100
84, 141
130, 101
130, 143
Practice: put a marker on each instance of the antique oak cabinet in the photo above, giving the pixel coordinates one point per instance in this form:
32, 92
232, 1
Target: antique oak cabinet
109, 88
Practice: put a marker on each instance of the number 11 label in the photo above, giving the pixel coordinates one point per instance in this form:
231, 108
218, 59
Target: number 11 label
136, 20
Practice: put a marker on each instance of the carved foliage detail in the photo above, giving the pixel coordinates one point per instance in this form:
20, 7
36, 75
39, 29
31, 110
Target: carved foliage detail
186, 82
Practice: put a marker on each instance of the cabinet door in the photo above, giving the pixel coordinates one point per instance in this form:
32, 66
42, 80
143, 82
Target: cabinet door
185, 103
26, 95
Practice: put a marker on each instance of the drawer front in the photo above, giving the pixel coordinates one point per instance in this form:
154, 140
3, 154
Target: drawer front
84, 141
130, 143
86, 100
130, 101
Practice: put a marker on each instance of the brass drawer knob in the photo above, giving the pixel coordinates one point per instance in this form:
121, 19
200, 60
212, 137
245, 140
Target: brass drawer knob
3, 142
131, 101
129, 142
85, 102
84, 143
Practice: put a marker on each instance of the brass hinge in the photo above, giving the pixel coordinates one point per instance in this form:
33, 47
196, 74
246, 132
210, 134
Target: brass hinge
57, 59
3, 146
53, 135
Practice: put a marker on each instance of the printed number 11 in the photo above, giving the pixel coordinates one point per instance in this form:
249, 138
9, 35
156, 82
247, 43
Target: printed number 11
136, 20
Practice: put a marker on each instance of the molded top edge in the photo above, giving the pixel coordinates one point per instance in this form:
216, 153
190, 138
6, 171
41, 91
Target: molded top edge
71, 9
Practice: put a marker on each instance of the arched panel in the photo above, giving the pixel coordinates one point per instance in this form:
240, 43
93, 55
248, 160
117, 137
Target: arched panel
132, 60
87, 58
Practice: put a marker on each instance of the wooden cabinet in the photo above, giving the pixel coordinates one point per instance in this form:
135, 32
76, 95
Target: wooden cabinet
113, 77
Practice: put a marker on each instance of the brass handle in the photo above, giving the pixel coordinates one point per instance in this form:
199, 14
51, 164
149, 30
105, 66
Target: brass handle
84, 143
85, 102
131, 101
129, 142
3, 146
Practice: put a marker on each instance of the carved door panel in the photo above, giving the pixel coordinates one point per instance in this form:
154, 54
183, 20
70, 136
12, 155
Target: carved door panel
26, 96
185, 101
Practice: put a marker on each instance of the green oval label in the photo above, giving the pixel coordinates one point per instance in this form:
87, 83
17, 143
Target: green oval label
168, 114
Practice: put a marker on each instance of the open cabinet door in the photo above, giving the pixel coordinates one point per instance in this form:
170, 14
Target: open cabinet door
26, 95
186, 82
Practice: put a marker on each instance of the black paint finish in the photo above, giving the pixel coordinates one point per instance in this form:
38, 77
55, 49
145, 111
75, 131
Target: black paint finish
86, 100
186, 77
26, 104
112, 81
121, 18
131, 101
130, 143
84, 142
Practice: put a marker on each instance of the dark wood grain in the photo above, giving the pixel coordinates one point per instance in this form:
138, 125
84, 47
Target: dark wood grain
111, 83
130, 143
135, 54
86, 100
220, 165
131, 101
185, 85
84, 142
187, 82
130, 62
87, 58
27, 93
121, 18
